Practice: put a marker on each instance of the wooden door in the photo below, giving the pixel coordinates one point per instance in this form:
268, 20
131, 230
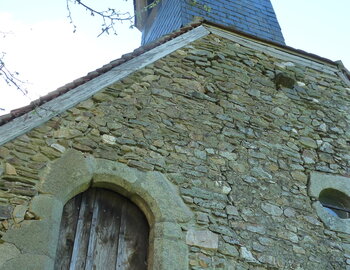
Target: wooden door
102, 230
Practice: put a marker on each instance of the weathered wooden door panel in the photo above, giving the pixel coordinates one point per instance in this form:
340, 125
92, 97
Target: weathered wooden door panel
82, 233
102, 230
131, 239
66, 239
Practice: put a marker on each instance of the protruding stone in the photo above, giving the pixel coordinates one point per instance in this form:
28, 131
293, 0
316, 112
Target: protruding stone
256, 229
323, 127
100, 96
299, 176
247, 255
5, 211
284, 80
253, 92
259, 173
226, 189
228, 249
4, 152
200, 154
9, 169
19, 213
58, 147
202, 218
87, 104
108, 139
272, 209
39, 157
327, 147
289, 212
249, 179
267, 259
265, 241
288, 236
228, 155
66, 133
309, 156
140, 165
202, 238
308, 142
278, 111
162, 93
231, 210
150, 78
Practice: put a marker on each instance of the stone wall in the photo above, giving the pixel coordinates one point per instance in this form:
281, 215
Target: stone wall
237, 139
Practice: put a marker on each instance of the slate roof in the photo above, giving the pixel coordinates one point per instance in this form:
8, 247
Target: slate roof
127, 57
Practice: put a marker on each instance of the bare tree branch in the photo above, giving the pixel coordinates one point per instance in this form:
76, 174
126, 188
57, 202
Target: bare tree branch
70, 16
11, 77
109, 17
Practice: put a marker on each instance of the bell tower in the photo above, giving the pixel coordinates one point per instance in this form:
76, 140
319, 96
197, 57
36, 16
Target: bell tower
156, 18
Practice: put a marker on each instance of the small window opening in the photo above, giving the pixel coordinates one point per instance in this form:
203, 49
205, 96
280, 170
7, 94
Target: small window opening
335, 202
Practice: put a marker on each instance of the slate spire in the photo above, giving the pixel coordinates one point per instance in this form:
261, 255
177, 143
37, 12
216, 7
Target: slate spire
255, 17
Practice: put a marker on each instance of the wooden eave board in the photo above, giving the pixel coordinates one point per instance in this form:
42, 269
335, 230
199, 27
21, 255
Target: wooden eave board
45, 112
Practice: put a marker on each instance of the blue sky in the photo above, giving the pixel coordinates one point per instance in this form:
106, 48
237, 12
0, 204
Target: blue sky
321, 27
41, 45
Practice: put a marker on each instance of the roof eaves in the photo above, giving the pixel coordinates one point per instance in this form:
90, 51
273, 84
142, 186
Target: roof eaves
42, 110
127, 57
94, 74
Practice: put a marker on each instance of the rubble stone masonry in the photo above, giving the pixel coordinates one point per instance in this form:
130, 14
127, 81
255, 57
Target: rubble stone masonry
237, 131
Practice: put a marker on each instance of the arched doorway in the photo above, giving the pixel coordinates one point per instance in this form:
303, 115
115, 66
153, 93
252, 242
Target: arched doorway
101, 229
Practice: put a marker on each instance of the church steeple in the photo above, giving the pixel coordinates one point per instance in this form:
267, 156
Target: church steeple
255, 17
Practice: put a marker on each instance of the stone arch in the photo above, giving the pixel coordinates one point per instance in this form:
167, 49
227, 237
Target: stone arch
73, 173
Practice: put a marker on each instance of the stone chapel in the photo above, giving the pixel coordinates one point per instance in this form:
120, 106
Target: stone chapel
212, 146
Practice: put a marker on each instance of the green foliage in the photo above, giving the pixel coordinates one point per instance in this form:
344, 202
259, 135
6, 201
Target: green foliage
207, 8
195, 3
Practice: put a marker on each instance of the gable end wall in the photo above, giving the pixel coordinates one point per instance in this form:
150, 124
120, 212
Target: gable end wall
237, 146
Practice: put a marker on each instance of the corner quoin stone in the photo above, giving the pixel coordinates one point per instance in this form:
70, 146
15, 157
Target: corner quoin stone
67, 176
153, 187
7, 252
29, 262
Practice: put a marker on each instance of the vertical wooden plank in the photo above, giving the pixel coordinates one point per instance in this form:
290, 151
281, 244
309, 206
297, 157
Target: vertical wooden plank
67, 233
122, 258
109, 232
82, 234
133, 243
106, 230
92, 237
